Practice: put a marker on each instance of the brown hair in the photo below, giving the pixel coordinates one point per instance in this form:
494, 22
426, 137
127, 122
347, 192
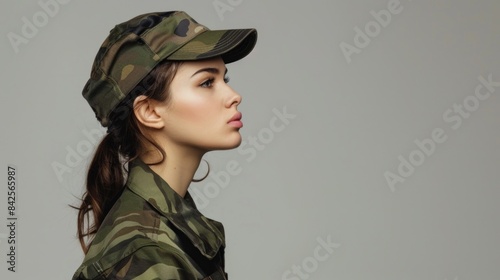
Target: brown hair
106, 174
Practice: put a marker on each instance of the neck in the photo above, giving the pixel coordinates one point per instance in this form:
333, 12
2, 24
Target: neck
178, 167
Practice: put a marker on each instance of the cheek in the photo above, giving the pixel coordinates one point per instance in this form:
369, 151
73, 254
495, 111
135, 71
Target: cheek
194, 110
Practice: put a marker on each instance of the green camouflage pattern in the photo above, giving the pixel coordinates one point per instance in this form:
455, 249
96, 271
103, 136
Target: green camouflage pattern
153, 233
133, 48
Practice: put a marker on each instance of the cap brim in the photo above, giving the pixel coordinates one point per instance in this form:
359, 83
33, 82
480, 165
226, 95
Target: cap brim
231, 45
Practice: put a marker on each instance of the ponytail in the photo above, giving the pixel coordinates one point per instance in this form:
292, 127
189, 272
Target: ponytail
105, 180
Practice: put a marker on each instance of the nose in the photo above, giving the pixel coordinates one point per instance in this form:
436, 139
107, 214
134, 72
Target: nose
233, 97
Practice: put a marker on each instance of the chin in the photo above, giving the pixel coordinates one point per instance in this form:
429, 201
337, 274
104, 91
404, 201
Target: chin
230, 143
237, 143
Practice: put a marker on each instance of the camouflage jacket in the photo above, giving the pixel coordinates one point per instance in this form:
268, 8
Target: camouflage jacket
153, 233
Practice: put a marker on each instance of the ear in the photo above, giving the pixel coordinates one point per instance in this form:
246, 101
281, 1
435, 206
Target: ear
147, 111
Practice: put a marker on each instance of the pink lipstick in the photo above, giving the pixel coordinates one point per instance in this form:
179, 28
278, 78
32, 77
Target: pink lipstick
236, 120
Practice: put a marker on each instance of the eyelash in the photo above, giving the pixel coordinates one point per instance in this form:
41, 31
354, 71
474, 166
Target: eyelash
208, 83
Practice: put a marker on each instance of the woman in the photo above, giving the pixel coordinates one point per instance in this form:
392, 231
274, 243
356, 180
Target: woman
158, 84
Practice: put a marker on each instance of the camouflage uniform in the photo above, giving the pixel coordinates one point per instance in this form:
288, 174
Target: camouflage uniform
153, 233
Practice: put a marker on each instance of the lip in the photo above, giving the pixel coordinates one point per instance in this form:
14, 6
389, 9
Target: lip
236, 117
236, 120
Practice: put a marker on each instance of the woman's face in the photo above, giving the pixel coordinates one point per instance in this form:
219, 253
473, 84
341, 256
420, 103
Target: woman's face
202, 110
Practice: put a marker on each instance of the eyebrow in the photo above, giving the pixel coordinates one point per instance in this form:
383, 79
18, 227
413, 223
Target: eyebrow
210, 70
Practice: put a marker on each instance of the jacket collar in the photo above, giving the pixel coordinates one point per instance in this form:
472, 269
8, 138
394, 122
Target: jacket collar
207, 235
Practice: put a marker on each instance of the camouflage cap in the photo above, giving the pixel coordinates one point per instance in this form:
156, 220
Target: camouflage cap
133, 48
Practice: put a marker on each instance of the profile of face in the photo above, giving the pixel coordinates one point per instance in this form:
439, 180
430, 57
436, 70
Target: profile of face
202, 110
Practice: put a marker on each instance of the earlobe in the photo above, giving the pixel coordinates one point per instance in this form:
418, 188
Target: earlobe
146, 112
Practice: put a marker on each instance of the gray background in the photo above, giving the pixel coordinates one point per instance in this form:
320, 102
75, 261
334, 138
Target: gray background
322, 175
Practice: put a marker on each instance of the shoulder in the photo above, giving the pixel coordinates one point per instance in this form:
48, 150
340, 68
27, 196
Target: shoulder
135, 242
128, 220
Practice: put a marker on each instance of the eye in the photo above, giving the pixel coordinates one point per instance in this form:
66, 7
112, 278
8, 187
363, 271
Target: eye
210, 82
207, 83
